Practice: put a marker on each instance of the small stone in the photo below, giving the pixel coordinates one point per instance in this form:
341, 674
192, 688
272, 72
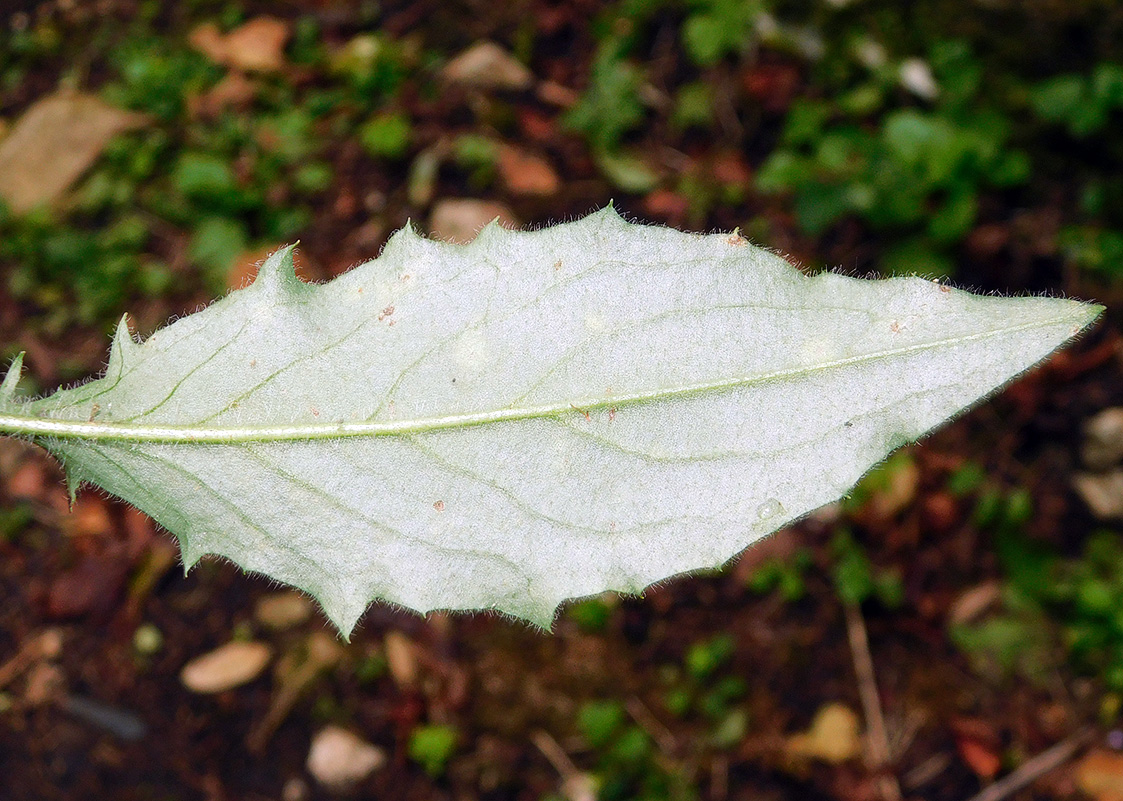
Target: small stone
226, 667
1103, 492
973, 603
295, 789
486, 65
89, 517
49, 643
916, 76
28, 480
1100, 775
282, 610
147, 639
834, 736
461, 219
339, 759
897, 492
556, 94
401, 658
527, 174
1103, 439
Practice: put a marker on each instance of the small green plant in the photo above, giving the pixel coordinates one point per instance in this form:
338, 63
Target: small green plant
914, 174
857, 580
77, 276
1081, 103
591, 615
386, 135
478, 155
706, 656
703, 690
155, 78
432, 746
716, 28
626, 763
786, 576
1051, 605
1053, 602
610, 107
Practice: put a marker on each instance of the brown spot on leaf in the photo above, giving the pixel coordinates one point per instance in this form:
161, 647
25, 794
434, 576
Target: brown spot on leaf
439, 506
385, 313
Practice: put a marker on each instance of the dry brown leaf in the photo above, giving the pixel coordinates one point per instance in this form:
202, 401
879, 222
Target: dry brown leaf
524, 173
53, 143
255, 46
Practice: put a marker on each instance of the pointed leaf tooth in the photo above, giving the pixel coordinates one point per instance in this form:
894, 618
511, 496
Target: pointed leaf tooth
401, 243
278, 272
11, 378
74, 481
122, 350
489, 233
606, 221
189, 552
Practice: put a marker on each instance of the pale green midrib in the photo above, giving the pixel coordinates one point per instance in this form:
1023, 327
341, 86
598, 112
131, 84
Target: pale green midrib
168, 434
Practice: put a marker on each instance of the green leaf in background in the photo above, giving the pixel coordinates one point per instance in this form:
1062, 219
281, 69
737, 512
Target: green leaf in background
533, 417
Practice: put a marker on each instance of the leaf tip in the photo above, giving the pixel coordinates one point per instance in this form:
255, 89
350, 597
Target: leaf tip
1093, 312
11, 378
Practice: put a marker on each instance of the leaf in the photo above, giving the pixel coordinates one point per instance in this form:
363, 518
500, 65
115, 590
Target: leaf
528, 418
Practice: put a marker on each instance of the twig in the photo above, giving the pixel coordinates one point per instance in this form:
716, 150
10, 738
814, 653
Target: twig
47, 644
649, 723
877, 742
576, 786
1048, 760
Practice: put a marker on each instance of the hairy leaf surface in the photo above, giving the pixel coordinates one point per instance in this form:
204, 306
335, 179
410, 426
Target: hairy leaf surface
533, 417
